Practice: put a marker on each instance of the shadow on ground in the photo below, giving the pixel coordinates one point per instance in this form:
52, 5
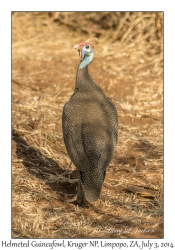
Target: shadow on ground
40, 166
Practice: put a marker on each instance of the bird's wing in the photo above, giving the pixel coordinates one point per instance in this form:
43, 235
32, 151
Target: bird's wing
94, 140
72, 139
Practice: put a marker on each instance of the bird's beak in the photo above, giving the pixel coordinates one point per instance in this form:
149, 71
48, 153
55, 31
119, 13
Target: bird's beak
81, 52
76, 46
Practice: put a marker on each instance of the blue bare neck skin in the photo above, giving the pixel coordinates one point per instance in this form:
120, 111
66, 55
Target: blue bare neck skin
86, 61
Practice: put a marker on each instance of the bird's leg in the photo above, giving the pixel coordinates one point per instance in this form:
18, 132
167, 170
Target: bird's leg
79, 197
81, 200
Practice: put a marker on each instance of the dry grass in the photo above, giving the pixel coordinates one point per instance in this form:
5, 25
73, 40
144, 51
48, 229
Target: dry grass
128, 65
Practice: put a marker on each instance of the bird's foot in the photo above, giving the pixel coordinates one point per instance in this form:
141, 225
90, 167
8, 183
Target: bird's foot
81, 201
74, 198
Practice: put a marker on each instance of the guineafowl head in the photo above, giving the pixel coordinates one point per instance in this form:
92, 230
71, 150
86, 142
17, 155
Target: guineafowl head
86, 49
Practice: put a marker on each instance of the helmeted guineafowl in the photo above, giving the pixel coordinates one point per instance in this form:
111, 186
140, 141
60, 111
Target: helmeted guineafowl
90, 128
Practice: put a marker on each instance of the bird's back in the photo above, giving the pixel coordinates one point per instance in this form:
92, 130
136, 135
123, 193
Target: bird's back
90, 131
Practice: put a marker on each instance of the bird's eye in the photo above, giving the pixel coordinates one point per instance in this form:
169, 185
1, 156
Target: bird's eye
87, 46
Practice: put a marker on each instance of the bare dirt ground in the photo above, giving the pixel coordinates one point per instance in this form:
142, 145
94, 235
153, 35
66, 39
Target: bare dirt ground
128, 65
